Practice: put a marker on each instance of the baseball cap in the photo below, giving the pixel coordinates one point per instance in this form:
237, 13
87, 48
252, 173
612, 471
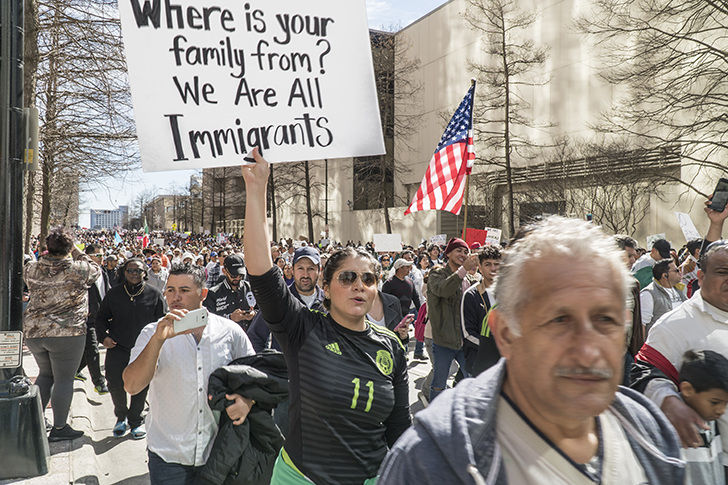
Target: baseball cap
234, 264
663, 247
307, 252
110, 257
475, 245
213, 254
402, 262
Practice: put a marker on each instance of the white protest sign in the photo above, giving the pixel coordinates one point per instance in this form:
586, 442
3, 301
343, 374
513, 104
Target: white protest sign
493, 236
439, 239
387, 242
687, 226
212, 79
651, 239
159, 241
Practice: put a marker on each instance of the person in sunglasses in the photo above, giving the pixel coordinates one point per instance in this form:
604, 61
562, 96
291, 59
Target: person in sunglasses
124, 312
348, 378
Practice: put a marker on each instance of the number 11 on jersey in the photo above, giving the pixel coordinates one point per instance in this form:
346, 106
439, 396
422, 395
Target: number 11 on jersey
370, 385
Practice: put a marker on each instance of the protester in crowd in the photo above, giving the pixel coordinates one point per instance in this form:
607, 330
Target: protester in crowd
419, 276
689, 267
175, 368
91, 357
477, 302
110, 275
704, 388
697, 324
636, 337
157, 274
444, 295
361, 368
551, 411
125, 311
54, 323
663, 294
232, 298
434, 253
642, 268
288, 273
213, 270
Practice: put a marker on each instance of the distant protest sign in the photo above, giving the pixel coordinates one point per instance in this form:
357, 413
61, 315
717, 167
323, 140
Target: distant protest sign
439, 239
687, 226
387, 242
493, 237
211, 80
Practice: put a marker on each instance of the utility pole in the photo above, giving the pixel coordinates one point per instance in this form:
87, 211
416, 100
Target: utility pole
22, 428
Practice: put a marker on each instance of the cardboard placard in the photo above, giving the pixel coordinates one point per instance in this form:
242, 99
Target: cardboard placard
159, 241
387, 242
211, 80
439, 239
687, 226
494, 236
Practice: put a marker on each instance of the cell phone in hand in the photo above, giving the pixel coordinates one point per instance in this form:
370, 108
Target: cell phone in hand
193, 319
405, 322
720, 196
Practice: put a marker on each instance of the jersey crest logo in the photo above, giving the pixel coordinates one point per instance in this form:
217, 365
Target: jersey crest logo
384, 362
333, 347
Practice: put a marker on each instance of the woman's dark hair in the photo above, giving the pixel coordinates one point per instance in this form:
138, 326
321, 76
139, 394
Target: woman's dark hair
59, 241
337, 259
121, 271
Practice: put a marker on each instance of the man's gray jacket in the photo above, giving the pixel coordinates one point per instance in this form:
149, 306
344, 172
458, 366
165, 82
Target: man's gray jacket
454, 439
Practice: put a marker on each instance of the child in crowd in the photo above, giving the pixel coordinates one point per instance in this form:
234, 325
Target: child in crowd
704, 387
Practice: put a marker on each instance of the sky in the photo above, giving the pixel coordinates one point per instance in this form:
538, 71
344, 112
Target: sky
381, 14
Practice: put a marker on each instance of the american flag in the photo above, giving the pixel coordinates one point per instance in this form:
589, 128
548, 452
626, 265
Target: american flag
444, 181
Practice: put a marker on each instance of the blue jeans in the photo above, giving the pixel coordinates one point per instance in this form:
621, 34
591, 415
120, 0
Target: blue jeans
441, 367
163, 473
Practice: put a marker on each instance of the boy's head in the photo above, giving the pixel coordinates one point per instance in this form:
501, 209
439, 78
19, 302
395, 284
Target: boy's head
704, 383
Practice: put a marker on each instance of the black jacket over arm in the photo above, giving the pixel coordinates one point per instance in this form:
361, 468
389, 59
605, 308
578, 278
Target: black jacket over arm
245, 454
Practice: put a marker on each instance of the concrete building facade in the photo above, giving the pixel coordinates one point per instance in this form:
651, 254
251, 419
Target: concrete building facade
567, 106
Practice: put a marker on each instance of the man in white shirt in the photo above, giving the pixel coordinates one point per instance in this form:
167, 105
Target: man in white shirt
181, 428
663, 294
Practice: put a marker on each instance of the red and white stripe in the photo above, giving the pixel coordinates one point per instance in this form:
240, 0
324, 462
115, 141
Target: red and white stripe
444, 181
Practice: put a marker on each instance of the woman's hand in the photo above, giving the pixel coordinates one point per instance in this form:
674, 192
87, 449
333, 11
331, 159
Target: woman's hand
256, 175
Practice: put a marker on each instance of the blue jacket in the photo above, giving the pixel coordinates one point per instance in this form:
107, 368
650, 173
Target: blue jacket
454, 440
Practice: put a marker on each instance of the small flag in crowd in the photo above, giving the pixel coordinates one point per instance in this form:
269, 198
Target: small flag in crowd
444, 181
117, 239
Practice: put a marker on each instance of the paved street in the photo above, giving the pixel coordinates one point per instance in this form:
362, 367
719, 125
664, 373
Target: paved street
99, 459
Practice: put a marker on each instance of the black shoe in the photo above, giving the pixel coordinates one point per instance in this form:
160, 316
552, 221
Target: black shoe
420, 357
63, 434
80, 377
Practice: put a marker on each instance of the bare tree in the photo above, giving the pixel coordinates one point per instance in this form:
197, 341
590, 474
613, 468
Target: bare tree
613, 181
398, 94
296, 185
500, 106
82, 95
670, 60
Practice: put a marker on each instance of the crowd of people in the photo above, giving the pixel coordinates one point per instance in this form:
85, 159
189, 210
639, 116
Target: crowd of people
298, 370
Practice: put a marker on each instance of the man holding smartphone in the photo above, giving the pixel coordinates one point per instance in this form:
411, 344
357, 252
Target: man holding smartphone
232, 297
177, 367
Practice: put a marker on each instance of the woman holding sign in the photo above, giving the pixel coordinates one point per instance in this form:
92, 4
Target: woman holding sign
348, 379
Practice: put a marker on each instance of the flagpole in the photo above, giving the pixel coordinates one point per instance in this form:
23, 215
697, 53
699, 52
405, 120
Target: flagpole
467, 177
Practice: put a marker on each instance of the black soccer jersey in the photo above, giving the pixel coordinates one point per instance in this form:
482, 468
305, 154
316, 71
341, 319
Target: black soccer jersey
348, 389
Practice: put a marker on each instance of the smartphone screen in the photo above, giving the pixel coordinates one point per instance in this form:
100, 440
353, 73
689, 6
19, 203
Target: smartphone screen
720, 196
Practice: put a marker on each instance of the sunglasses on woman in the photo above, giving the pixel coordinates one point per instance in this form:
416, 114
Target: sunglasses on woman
348, 278
134, 270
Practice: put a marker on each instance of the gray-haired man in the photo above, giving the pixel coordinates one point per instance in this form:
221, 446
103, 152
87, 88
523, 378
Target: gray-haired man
551, 410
